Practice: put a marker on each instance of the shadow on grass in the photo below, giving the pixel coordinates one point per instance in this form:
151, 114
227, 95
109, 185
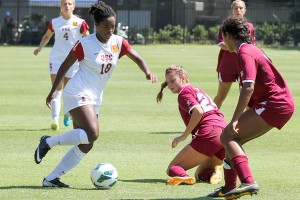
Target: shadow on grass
144, 180
163, 133
42, 188
24, 129
197, 198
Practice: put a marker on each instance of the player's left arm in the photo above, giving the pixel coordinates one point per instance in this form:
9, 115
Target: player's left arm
244, 98
196, 115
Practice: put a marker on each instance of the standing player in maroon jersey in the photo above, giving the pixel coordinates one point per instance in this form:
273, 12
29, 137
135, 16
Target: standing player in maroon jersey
227, 61
270, 104
205, 122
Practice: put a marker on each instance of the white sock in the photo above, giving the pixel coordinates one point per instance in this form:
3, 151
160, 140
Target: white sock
56, 105
72, 137
69, 161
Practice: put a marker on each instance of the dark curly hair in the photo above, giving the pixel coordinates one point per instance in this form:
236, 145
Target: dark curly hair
238, 28
101, 11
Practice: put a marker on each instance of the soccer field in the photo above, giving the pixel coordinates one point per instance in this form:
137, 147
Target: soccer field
135, 132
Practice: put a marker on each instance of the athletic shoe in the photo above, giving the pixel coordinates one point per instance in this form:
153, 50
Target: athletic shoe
54, 126
55, 183
181, 180
41, 150
243, 189
67, 120
219, 192
216, 176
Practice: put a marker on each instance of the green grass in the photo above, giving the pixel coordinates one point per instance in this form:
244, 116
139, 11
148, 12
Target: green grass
136, 132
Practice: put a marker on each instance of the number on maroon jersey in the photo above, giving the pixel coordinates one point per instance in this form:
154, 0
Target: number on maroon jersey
205, 102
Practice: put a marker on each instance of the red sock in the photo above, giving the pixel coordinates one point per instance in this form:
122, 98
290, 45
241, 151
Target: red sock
242, 168
230, 177
177, 171
205, 175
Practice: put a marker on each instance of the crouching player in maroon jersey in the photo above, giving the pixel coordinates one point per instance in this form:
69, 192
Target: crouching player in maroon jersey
270, 104
205, 122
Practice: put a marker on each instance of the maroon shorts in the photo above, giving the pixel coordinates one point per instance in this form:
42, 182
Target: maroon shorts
209, 146
272, 118
227, 78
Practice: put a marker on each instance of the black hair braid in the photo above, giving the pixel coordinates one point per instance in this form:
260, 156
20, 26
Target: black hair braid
101, 11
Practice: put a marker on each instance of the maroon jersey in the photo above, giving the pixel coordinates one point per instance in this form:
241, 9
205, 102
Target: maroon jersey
188, 98
227, 61
270, 89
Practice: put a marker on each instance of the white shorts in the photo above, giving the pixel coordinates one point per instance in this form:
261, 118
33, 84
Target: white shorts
54, 67
74, 101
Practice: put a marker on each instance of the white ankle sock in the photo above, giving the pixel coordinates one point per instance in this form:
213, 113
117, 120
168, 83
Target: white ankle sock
69, 161
56, 105
72, 137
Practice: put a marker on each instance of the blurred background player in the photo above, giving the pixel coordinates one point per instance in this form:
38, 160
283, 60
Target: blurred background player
97, 54
227, 61
205, 122
8, 30
68, 29
270, 103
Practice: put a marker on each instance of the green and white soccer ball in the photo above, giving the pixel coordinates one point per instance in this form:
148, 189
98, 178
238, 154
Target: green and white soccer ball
104, 176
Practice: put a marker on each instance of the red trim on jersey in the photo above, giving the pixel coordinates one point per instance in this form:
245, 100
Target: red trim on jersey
125, 48
50, 27
84, 27
77, 51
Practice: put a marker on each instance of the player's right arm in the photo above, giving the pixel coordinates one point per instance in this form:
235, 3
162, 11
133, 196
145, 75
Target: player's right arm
44, 41
65, 66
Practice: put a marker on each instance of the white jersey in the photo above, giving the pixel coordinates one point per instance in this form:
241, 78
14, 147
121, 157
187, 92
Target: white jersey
67, 33
96, 64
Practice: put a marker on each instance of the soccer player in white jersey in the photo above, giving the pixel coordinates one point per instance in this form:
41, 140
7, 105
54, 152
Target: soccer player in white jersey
97, 55
68, 29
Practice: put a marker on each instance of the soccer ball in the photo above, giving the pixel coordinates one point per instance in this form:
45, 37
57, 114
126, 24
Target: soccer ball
104, 176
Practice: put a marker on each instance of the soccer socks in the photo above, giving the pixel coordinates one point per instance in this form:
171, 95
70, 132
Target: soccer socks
72, 137
56, 105
69, 161
230, 176
177, 171
242, 168
204, 175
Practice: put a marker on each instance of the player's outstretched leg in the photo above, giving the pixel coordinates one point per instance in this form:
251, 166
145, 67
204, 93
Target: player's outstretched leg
41, 150
242, 190
55, 183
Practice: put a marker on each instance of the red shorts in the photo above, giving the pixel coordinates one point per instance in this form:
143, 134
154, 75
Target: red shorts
272, 118
226, 78
209, 146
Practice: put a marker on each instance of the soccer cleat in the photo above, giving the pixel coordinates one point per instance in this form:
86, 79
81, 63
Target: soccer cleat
219, 192
181, 180
216, 176
55, 183
41, 150
54, 126
242, 190
67, 120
